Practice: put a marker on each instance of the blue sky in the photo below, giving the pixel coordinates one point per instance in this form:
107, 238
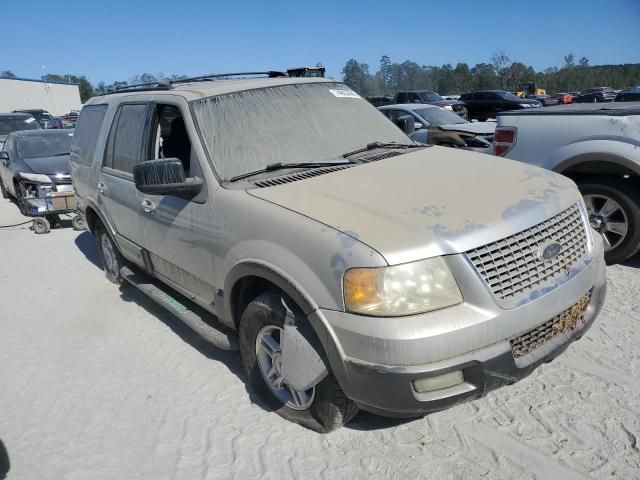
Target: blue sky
114, 39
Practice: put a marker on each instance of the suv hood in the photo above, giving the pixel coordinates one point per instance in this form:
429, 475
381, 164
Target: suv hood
48, 165
429, 202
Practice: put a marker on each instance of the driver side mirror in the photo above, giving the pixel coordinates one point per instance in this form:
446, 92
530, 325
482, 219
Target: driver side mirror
407, 124
165, 177
417, 126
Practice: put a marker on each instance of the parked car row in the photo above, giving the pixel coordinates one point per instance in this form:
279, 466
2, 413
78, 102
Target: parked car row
485, 104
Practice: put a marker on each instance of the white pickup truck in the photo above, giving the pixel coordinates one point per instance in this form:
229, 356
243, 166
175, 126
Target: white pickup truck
598, 147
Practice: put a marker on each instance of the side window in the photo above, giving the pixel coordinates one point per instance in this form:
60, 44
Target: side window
402, 97
494, 97
85, 137
414, 98
480, 96
169, 137
125, 138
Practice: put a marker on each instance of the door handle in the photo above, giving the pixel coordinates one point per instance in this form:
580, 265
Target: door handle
148, 206
102, 188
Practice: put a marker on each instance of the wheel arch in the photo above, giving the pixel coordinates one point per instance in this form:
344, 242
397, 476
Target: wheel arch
598, 163
247, 280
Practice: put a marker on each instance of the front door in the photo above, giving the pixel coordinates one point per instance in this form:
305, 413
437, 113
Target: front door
178, 231
117, 194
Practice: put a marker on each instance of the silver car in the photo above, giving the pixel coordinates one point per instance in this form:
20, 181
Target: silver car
437, 126
352, 267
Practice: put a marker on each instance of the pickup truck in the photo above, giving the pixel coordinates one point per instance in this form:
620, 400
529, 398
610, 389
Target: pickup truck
598, 147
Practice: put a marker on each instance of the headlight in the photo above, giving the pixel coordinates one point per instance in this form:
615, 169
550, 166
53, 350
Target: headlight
525, 105
400, 290
34, 177
448, 107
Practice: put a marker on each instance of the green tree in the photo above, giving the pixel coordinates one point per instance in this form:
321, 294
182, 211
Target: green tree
7, 74
356, 75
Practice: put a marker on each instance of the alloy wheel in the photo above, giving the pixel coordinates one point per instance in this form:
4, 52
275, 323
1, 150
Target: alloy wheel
608, 218
269, 357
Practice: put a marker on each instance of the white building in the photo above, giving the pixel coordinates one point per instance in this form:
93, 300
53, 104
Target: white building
55, 97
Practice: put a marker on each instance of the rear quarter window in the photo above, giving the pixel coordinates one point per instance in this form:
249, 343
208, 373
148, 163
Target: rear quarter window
86, 135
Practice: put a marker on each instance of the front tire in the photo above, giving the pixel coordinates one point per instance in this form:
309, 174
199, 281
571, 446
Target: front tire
111, 259
322, 408
614, 211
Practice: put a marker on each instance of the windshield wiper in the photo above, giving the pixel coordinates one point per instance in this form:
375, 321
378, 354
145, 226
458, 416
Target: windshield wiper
374, 145
282, 166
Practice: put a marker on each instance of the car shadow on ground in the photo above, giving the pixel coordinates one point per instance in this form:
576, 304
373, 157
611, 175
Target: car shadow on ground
86, 243
231, 359
5, 465
633, 261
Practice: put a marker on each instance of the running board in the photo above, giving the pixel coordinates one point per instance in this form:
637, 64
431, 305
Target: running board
196, 317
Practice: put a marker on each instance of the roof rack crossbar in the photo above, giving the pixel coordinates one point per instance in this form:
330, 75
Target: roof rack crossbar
166, 85
269, 73
141, 87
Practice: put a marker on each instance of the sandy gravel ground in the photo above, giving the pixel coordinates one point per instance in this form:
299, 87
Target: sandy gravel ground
98, 383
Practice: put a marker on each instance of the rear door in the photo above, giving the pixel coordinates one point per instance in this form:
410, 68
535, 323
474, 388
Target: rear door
85, 151
117, 194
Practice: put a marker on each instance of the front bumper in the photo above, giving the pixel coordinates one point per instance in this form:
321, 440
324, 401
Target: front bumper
376, 369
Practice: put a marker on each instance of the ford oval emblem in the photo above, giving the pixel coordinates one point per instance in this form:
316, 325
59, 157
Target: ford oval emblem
549, 251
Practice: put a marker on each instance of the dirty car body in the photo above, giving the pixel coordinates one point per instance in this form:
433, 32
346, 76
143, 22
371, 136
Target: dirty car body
415, 296
438, 126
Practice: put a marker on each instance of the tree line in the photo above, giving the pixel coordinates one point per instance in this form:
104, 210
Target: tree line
501, 72
88, 90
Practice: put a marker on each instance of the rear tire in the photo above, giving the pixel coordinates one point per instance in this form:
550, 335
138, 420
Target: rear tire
110, 257
329, 408
623, 207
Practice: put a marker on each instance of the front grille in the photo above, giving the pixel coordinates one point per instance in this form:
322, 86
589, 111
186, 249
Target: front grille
511, 267
565, 322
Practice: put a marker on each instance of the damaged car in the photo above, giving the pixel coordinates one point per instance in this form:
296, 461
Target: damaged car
438, 126
352, 267
34, 171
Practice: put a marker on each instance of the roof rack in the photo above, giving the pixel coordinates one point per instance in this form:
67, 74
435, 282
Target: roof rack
167, 85
213, 76
141, 87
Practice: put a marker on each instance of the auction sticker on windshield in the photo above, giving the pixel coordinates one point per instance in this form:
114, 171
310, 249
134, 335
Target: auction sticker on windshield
345, 93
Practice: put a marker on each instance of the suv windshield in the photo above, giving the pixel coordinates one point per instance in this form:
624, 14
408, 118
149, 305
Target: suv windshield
439, 116
14, 124
430, 96
313, 122
509, 96
50, 145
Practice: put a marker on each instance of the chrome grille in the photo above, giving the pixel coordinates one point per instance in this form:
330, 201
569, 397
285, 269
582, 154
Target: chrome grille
538, 336
511, 266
